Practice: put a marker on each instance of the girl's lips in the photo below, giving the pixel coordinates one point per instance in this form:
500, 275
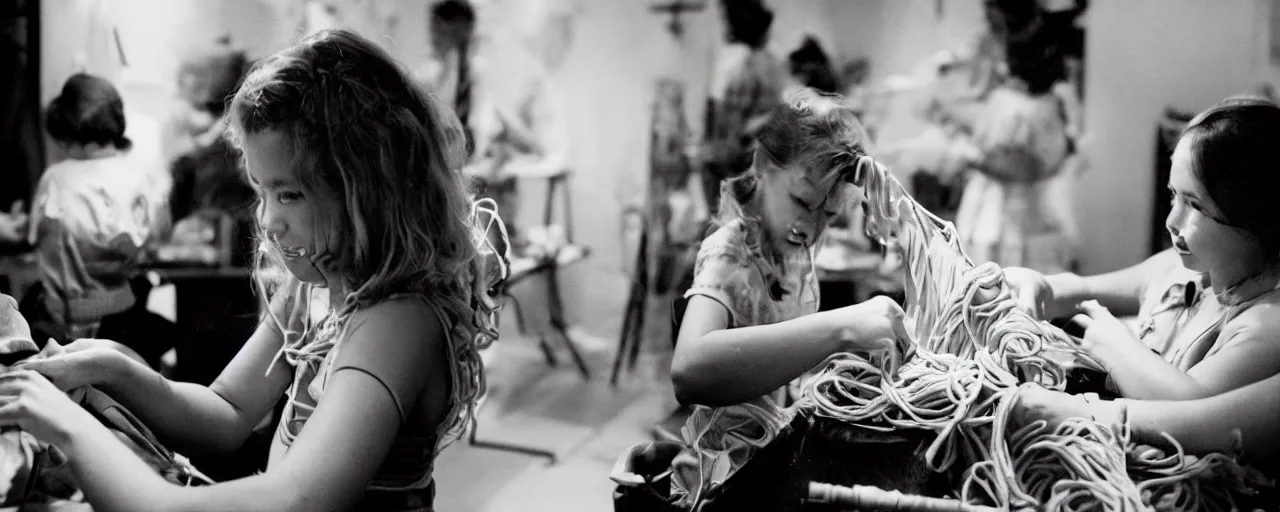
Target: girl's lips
1181, 247
291, 252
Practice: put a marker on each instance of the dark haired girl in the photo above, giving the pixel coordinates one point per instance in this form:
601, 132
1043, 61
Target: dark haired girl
1207, 306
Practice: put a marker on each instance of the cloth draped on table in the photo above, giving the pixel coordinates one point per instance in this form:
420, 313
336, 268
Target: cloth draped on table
33, 472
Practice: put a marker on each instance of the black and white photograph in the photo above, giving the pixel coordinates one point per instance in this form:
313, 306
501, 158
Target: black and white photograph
639, 255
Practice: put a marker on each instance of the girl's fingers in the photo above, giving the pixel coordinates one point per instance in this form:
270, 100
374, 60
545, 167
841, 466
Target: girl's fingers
1094, 310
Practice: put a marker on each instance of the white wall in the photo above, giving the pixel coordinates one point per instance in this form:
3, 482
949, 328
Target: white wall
1141, 56
1144, 55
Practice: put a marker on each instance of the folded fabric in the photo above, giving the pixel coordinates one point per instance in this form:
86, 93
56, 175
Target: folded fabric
33, 472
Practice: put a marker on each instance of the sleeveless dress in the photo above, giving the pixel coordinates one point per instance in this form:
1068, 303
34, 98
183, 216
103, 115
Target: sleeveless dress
404, 481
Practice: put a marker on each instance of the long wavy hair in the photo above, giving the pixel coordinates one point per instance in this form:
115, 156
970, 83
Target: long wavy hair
384, 157
813, 131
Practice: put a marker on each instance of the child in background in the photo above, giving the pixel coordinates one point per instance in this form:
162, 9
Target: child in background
751, 327
1007, 213
206, 81
209, 187
360, 198
91, 215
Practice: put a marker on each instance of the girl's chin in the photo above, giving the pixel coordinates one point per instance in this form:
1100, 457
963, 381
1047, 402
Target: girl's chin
1188, 260
302, 270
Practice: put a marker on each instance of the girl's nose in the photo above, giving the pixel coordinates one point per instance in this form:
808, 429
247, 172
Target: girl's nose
275, 228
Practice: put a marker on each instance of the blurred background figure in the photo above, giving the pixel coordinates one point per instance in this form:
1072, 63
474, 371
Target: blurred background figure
91, 216
211, 200
810, 67
747, 83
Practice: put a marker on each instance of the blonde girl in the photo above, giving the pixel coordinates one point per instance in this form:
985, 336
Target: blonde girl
361, 200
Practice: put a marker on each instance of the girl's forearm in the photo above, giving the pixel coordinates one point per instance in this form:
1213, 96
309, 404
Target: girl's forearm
1071, 289
1119, 291
1142, 375
187, 417
114, 479
1206, 425
731, 366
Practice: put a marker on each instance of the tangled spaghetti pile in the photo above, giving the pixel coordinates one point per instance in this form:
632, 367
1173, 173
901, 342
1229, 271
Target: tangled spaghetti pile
975, 350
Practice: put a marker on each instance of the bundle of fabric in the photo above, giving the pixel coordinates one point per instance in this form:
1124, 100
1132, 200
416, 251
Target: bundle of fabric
32, 472
975, 351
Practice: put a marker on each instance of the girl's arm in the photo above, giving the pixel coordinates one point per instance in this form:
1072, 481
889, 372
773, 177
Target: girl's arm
714, 365
1119, 291
717, 366
393, 357
1250, 355
193, 418
1205, 425
218, 418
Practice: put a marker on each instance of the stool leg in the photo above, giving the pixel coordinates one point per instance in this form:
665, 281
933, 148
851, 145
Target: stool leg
507, 447
633, 323
637, 339
547, 353
557, 321
628, 335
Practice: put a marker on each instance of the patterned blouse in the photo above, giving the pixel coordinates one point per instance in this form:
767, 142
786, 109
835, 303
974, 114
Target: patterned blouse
721, 440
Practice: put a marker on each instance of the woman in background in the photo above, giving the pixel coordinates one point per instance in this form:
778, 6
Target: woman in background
91, 215
208, 183
747, 86
1006, 213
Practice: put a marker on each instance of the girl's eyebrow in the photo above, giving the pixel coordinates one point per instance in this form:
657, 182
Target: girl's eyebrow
1187, 193
272, 184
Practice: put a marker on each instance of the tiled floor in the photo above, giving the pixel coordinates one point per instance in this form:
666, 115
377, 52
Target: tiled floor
586, 423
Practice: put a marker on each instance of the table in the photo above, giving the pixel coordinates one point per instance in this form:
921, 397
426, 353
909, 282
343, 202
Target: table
216, 310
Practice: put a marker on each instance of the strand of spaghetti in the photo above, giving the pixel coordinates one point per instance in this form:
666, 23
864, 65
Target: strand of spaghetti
974, 349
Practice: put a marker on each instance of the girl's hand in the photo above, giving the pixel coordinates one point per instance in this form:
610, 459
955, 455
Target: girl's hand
1103, 331
1032, 293
873, 326
32, 403
82, 363
1036, 403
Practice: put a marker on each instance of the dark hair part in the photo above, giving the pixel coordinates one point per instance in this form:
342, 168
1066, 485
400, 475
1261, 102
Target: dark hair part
749, 22
1036, 58
1016, 16
223, 84
457, 13
813, 130
88, 111
1233, 156
811, 66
